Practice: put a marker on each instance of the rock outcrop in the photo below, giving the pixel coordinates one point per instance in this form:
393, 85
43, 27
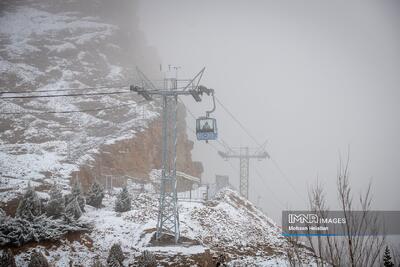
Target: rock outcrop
137, 156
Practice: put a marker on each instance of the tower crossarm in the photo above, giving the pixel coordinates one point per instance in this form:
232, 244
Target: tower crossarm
244, 154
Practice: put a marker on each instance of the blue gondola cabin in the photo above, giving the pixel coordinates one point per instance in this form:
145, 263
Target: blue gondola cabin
206, 129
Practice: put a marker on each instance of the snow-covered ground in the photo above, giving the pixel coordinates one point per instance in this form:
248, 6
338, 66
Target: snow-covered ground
228, 225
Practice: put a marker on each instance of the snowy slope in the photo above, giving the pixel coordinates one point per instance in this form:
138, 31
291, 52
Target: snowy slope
228, 225
43, 50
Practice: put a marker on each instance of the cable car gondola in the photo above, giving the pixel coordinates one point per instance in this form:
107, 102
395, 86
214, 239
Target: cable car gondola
206, 127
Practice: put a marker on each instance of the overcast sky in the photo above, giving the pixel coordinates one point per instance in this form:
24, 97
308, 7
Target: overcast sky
311, 77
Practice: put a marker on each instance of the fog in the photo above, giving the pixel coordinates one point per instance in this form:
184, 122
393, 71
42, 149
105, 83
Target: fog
316, 79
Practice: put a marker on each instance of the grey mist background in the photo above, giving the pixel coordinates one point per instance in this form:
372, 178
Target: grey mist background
314, 78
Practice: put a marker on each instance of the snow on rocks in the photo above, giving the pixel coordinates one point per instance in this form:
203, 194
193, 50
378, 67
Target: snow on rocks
28, 21
230, 220
239, 231
41, 50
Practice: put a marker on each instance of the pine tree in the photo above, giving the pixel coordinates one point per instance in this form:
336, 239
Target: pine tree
7, 259
73, 210
95, 195
387, 259
68, 199
77, 193
123, 202
2, 213
113, 262
38, 260
147, 259
56, 205
29, 206
55, 192
115, 256
18, 231
97, 263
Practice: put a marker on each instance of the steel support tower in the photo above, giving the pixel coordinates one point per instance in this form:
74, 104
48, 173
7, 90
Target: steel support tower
168, 214
244, 154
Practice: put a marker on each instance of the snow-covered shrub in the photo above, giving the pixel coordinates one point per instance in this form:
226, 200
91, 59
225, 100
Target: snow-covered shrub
147, 259
68, 198
30, 205
73, 211
95, 195
7, 258
18, 231
55, 208
56, 205
76, 193
38, 260
115, 256
97, 263
123, 202
113, 263
55, 192
2, 213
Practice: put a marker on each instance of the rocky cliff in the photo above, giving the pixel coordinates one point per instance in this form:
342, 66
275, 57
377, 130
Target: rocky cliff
137, 156
51, 47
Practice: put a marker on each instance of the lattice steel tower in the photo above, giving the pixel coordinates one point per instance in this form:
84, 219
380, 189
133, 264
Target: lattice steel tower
169, 90
244, 154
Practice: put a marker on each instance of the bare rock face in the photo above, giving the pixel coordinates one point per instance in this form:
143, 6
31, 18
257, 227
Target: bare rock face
137, 156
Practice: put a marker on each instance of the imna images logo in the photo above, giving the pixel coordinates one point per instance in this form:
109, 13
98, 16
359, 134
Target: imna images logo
303, 218
312, 218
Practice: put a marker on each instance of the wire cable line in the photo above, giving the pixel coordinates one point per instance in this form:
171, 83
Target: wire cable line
255, 141
65, 95
275, 197
278, 201
237, 121
65, 89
